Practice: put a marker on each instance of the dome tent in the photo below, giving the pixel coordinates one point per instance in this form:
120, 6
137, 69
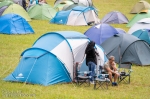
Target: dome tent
14, 24
77, 16
138, 17
41, 12
17, 9
115, 17
52, 58
127, 48
99, 33
139, 6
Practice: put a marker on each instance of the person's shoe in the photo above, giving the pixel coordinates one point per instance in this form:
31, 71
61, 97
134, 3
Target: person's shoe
115, 84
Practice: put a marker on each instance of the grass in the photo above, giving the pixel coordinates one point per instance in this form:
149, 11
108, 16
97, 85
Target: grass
11, 46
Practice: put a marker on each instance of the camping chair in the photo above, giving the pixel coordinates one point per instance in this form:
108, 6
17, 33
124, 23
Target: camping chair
125, 71
101, 79
82, 77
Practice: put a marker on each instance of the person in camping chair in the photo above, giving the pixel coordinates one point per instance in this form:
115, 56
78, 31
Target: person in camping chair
111, 69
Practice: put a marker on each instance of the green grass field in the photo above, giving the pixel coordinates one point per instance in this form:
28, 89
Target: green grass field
11, 46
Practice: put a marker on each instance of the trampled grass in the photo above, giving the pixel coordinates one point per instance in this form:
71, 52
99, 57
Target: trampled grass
11, 46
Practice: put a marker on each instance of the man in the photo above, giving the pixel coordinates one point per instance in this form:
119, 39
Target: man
110, 67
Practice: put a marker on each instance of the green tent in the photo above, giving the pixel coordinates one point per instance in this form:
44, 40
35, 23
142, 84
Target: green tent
17, 9
41, 12
141, 5
138, 17
5, 3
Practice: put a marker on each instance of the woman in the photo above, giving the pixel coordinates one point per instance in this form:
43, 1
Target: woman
91, 60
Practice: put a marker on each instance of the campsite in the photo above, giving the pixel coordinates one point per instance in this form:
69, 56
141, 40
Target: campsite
26, 53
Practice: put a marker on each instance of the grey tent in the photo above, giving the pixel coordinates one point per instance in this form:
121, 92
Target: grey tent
127, 48
114, 17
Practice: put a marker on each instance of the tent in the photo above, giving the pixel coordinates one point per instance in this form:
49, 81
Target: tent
142, 24
41, 12
51, 58
139, 6
138, 17
127, 49
60, 6
14, 24
17, 9
143, 34
99, 33
114, 17
77, 16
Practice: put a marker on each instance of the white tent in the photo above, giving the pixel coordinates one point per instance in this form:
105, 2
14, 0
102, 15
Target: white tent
142, 24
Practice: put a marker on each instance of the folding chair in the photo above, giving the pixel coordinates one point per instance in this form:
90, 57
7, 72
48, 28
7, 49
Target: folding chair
82, 77
125, 71
101, 80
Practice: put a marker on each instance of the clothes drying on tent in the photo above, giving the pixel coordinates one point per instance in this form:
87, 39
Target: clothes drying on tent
14, 24
16, 9
99, 33
115, 17
77, 16
143, 34
139, 6
138, 17
41, 12
127, 49
51, 58
142, 24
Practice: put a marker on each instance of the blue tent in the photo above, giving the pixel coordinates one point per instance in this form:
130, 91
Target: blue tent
114, 17
14, 24
51, 58
143, 34
79, 15
99, 33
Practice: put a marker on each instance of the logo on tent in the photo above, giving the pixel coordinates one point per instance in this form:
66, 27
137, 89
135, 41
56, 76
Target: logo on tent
20, 75
60, 21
